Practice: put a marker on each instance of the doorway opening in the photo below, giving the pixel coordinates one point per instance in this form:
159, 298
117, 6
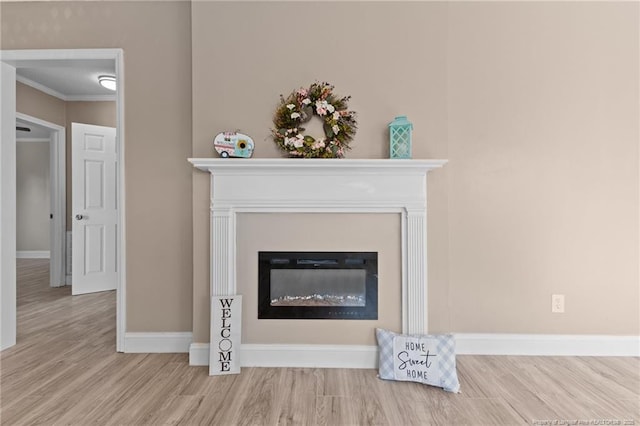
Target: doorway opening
11, 60
57, 192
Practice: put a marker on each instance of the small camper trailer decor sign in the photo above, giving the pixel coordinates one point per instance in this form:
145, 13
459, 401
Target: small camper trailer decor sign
233, 144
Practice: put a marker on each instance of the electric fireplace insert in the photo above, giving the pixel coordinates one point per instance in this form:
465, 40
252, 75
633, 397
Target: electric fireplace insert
318, 285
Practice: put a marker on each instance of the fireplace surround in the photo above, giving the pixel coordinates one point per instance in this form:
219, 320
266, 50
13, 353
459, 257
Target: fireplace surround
321, 186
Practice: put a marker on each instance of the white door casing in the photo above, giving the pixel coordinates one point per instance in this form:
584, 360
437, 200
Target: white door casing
58, 225
57, 178
94, 168
37, 58
8, 206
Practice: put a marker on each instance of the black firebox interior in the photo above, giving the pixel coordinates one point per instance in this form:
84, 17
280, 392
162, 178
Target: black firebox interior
318, 285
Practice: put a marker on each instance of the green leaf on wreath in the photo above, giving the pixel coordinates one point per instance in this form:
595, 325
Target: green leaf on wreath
307, 113
328, 130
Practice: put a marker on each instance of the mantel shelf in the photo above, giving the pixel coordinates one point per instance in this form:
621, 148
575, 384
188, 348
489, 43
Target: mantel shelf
279, 165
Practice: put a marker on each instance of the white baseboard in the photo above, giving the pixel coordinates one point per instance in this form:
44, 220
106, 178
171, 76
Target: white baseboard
351, 356
157, 342
547, 344
316, 356
33, 254
199, 354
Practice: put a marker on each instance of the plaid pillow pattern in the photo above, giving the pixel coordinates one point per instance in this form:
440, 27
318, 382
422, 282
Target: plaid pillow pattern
446, 360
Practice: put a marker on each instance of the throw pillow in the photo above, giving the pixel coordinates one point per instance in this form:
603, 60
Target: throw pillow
428, 359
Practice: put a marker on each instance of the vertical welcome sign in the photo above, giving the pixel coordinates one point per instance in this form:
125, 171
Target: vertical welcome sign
226, 327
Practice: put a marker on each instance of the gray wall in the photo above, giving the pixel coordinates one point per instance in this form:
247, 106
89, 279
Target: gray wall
32, 198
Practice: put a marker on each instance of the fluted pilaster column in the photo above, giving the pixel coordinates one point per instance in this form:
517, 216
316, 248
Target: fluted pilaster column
223, 239
416, 269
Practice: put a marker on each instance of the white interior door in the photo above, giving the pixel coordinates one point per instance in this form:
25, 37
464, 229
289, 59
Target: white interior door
94, 208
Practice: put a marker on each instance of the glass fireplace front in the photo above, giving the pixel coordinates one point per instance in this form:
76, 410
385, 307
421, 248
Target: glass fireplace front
318, 285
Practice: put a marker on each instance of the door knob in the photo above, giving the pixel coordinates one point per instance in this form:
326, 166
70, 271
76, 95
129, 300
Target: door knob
79, 217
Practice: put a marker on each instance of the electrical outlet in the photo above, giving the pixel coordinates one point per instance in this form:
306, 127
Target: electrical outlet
557, 303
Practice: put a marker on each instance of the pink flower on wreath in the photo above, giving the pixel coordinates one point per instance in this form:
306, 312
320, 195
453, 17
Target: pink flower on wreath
318, 144
303, 92
322, 107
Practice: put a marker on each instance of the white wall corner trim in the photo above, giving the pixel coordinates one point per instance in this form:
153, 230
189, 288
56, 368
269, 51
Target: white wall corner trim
33, 254
546, 344
7, 206
169, 342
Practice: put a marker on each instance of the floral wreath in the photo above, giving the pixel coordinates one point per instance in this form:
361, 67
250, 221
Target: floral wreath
300, 106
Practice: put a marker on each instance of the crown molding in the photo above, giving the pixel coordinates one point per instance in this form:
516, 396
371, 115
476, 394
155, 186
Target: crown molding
92, 98
62, 97
40, 87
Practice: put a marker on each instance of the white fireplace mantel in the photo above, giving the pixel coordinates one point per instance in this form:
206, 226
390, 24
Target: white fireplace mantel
319, 185
325, 186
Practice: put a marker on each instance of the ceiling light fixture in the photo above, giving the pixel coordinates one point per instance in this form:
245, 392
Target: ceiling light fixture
107, 81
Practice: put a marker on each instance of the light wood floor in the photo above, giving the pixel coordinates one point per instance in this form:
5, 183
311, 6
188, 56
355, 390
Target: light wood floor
64, 370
